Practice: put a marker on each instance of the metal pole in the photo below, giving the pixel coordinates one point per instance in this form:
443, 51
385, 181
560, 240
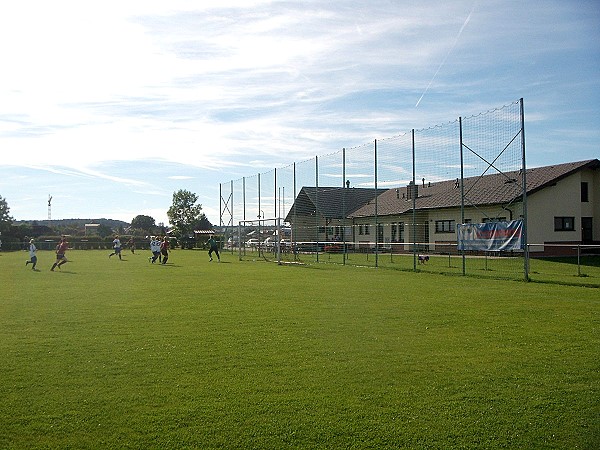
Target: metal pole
317, 204
244, 196
294, 229
240, 241
344, 214
259, 217
376, 211
414, 204
232, 223
524, 170
462, 193
279, 240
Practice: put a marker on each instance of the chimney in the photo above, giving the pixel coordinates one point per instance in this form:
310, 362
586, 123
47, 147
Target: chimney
412, 191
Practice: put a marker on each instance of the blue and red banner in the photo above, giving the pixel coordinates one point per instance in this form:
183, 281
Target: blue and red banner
490, 236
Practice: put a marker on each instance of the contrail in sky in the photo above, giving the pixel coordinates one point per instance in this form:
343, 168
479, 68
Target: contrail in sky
448, 54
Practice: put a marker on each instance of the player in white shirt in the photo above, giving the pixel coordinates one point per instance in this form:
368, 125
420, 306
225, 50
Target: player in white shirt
155, 249
32, 255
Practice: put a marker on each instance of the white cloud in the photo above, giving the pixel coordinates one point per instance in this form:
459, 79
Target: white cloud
237, 87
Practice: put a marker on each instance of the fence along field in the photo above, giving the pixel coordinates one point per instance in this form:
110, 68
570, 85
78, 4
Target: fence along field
316, 217
582, 271
310, 206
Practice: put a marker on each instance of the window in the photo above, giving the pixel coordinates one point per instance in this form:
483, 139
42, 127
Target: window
367, 231
564, 223
339, 231
444, 226
585, 197
397, 232
360, 230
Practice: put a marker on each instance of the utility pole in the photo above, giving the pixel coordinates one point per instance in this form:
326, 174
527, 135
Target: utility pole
49, 207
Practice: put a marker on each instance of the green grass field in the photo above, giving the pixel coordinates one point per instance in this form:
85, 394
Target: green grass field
125, 354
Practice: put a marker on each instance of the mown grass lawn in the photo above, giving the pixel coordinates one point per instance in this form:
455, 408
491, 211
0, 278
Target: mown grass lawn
125, 354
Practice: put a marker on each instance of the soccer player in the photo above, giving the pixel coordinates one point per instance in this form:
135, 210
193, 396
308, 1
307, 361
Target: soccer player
131, 245
155, 249
117, 247
213, 248
164, 249
61, 249
32, 255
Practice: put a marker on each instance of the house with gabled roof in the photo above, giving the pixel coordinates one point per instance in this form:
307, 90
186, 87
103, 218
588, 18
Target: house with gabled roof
563, 209
322, 214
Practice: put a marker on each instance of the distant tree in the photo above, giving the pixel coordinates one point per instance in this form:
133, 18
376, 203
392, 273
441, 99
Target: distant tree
70, 229
22, 231
203, 223
145, 223
104, 230
5, 218
184, 212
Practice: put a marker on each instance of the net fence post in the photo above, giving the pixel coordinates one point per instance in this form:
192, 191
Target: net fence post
317, 206
462, 191
244, 198
259, 217
295, 226
414, 204
276, 214
524, 182
278, 242
376, 211
240, 241
344, 212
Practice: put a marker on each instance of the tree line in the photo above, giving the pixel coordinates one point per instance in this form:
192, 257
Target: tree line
185, 215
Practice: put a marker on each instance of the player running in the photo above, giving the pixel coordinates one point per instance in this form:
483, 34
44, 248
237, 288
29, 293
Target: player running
164, 249
61, 250
32, 255
155, 249
116, 247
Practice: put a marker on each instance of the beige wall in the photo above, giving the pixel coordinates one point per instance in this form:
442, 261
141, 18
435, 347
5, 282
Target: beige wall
561, 200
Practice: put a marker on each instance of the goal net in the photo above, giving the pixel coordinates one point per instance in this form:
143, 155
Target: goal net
264, 239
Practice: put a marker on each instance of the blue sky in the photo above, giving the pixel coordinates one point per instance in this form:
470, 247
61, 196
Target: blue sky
112, 106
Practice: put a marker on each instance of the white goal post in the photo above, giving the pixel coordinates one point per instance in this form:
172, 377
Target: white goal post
260, 237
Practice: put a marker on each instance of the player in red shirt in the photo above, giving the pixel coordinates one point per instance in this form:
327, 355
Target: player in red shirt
61, 249
164, 249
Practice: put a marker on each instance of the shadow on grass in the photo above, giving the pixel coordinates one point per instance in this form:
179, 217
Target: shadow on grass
587, 260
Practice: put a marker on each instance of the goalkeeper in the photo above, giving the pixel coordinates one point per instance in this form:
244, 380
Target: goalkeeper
213, 247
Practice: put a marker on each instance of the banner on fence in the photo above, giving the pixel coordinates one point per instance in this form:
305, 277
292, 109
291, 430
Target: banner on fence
490, 236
